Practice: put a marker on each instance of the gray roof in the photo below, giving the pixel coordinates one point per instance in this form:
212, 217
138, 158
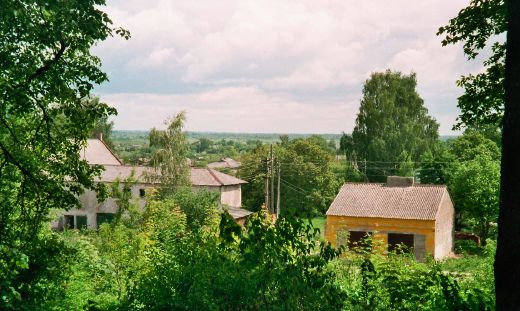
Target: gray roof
96, 152
225, 163
209, 177
379, 200
198, 176
238, 213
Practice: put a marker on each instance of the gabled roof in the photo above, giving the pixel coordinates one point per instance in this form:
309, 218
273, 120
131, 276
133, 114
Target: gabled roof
198, 176
225, 162
96, 152
209, 177
379, 200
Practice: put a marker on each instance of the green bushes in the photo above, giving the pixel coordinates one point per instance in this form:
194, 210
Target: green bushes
399, 282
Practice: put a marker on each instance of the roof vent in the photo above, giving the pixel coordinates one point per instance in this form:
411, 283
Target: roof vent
398, 181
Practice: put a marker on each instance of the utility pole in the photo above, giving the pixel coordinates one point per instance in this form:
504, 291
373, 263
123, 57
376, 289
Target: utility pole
272, 179
278, 193
267, 183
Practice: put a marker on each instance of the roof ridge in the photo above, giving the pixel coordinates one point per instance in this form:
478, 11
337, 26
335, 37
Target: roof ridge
215, 176
110, 150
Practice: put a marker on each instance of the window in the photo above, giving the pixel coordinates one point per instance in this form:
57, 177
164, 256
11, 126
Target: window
142, 192
81, 222
400, 243
68, 221
102, 218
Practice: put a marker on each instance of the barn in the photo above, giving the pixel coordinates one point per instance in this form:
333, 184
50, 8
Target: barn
398, 212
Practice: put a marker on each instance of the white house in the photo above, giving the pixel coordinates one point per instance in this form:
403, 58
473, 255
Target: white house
93, 212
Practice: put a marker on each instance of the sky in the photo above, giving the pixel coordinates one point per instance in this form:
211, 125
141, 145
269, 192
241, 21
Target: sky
279, 66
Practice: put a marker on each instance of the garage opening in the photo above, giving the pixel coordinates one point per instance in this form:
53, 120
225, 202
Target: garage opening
359, 239
400, 243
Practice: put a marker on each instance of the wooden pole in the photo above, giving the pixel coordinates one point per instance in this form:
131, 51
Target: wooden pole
278, 193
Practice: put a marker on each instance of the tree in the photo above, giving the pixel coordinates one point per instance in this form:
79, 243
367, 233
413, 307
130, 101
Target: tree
169, 155
507, 270
46, 70
475, 189
308, 184
270, 267
391, 119
102, 128
472, 144
204, 144
437, 165
476, 25
346, 145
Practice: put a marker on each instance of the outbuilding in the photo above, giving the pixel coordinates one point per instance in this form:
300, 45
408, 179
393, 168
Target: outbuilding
398, 212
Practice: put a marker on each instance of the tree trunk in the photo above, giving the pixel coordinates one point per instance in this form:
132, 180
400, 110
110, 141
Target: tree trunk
507, 260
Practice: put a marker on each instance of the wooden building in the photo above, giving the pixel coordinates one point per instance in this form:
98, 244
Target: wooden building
420, 217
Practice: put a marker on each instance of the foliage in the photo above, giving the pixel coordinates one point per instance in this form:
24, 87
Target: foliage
270, 267
46, 70
200, 207
169, 155
475, 189
476, 26
437, 165
102, 128
308, 183
398, 282
472, 144
392, 119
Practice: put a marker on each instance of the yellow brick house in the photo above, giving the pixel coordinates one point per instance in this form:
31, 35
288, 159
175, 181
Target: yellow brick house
396, 212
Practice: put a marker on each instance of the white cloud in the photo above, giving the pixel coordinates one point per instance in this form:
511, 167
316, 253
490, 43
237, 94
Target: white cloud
277, 56
245, 109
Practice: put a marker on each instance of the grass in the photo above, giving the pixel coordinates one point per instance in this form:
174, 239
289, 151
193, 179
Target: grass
319, 223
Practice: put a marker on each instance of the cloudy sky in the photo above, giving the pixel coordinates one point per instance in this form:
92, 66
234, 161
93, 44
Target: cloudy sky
273, 66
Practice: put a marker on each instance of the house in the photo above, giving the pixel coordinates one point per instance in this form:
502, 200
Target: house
225, 163
397, 212
93, 212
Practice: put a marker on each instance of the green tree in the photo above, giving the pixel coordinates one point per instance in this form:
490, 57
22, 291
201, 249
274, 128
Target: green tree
437, 165
46, 70
406, 166
476, 26
204, 144
169, 155
270, 267
391, 119
102, 128
346, 145
475, 190
471, 144
308, 183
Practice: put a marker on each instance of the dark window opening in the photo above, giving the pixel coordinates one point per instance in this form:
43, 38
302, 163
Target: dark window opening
400, 243
81, 222
142, 193
102, 218
68, 221
359, 239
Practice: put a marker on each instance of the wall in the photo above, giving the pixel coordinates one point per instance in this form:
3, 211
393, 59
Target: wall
91, 206
381, 227
231, 195
444, 227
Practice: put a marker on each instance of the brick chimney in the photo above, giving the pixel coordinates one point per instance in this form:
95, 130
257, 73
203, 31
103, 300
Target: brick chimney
398, 181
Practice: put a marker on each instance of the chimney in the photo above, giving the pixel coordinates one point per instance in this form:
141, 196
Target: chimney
100, 136
398, 181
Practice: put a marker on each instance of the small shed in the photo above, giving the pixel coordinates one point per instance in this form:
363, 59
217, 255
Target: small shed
397, 212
